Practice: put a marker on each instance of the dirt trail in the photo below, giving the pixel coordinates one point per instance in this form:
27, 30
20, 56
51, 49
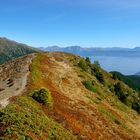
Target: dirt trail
13, 78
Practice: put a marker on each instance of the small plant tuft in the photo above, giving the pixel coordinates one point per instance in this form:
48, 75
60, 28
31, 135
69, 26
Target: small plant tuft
89, 85
43, 96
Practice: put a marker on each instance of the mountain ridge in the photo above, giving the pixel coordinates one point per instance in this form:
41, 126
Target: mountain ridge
86, 103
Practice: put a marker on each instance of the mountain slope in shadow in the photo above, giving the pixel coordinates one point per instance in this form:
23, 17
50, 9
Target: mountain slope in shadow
10, 50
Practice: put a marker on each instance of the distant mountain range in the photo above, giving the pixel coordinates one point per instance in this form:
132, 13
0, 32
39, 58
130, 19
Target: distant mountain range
10, 50
116, 51
138, 73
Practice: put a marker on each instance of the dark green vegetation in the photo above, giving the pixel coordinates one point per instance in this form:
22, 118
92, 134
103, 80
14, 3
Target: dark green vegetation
43, 96
125, 95
136, 106
120, 92
89, 85
94, 69
83, 65
10, 50
132, 81
25, 120
128, 97
98, 74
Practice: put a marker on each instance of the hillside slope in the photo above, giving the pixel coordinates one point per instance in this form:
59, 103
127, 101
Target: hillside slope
132, 81
13, 78
85, 103
10, 50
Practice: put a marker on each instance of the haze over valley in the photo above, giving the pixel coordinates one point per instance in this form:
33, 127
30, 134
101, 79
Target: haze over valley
124, 60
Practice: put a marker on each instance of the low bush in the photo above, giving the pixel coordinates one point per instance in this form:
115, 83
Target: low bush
89, 85
88, 60
120, 92
100, 77
114, 76
43, 96
83, 64
98, 74
136, 106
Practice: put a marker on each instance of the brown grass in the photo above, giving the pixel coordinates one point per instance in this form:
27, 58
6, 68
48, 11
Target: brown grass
71, 107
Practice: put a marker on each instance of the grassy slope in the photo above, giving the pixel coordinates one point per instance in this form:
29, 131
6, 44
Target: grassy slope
88, 115
25, 119
103, 95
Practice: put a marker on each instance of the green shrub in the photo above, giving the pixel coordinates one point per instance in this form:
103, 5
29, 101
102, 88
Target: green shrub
114, 76
97, 64
100, 77
83, 65
89, 85
120, 92
88, 60
43, 96
98, 74
136, 106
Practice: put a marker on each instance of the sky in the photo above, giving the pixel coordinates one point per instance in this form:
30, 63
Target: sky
88, 23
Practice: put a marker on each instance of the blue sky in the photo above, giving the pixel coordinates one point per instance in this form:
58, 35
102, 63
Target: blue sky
88, 23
